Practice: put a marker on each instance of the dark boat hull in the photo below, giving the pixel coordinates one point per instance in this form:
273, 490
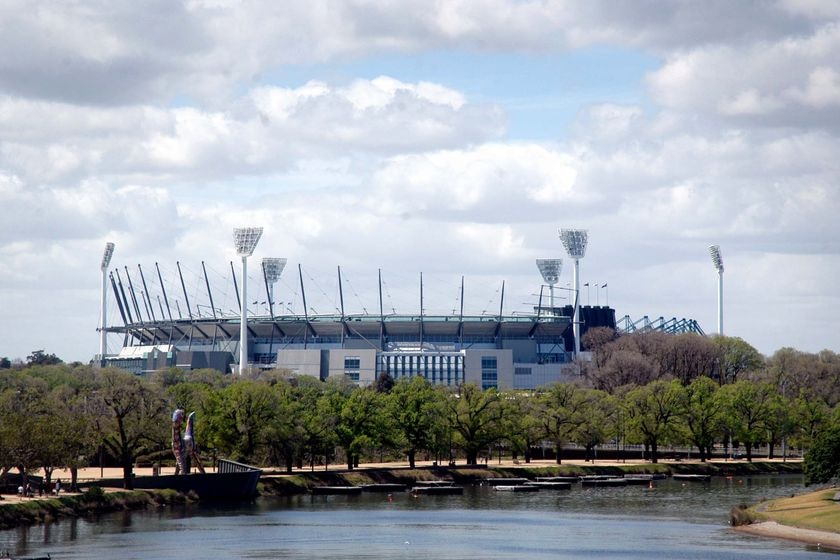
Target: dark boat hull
208, 486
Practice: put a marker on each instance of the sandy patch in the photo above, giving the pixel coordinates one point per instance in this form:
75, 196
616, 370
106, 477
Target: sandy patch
810, 536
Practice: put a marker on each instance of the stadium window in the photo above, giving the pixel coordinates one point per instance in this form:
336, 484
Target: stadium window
522, 371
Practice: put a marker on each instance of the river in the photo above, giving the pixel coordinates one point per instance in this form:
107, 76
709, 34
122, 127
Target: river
671, 520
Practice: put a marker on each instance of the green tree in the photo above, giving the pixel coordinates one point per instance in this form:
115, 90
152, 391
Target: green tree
524, 428
40, 358
475, 416
237, 418
561, 411
415, 406
822, 461
597, 423
137, 421
5, 363
700, 413
652, 412
735, 358
747, 407
361, 423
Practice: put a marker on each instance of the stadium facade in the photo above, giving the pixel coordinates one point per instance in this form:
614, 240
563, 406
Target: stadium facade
507, 351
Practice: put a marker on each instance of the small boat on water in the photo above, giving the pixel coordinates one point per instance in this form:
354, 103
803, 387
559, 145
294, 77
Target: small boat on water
6, 556
384, 487
569, 479
603, 482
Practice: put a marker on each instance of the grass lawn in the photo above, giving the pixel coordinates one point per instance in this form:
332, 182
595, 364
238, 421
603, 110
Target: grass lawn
816, 510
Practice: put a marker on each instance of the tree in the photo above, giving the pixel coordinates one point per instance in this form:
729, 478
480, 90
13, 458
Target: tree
415, 407
361, 423
475, 417
735, 358
5, 363
700, 411
822, 461
562, 407
598, 418
747, 407
39, 358
523, 423
652, 411
137, 421
237, 418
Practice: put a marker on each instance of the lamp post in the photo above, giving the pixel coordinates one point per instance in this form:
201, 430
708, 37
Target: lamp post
550, 270
245, 240
574, 241
717, 259
106, 260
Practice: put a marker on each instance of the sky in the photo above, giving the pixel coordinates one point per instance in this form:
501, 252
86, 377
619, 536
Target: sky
444, 138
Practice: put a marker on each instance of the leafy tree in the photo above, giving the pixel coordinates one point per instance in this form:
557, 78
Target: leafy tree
475, 417
747, 407
360, 423
822, 461
5, 363
40, 358
415, 406
701, 412
237, 417
137, 419
561, 412
735, 358
652, 412
597, 420
523, 423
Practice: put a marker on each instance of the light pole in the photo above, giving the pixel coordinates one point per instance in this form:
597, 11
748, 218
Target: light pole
106, 260
272, 268
717, 259
550, 270
245, 240
574, 241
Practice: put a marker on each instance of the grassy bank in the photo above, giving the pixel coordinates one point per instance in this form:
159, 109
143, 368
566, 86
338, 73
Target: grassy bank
92, 502
302, 482
815, 510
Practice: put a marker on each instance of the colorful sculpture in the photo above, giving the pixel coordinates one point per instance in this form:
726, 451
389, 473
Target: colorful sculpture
184, 447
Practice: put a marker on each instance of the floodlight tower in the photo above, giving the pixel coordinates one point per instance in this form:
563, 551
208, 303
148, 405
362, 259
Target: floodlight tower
717, 259
273, 268
574, 241
245, 240
550, 270
106, 260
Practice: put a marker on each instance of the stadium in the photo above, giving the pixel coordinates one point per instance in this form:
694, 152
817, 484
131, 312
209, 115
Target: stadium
513, 350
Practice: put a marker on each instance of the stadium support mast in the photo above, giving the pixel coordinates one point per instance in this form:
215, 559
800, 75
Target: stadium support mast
106, 260
717, 259
574, 241
550, 270
245, 240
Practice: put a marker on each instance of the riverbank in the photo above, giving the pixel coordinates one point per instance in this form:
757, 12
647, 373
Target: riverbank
28, 511
812, 518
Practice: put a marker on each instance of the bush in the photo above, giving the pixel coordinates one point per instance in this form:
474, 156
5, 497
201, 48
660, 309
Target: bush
94, 494
822, 461
741, 515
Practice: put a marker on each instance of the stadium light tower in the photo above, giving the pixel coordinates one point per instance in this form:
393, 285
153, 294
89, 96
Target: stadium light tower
245, 240
717, 259
106, 260
550, 270
574, 241
273, 268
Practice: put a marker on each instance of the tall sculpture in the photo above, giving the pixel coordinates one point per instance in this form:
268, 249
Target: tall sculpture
184, 447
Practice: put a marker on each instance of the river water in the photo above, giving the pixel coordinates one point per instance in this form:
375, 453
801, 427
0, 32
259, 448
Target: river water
671, 520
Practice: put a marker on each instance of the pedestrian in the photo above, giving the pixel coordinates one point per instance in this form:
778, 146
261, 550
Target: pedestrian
57, 486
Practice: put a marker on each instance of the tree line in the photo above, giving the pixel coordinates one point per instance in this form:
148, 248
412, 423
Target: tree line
642, 390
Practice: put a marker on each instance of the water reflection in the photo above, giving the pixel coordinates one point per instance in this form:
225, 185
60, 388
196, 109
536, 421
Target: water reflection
670, 520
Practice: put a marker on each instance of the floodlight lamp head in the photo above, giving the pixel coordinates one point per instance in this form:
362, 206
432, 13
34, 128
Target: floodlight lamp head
273, 268
246, 240
550, 270
574, 241
717, 259
106, 256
